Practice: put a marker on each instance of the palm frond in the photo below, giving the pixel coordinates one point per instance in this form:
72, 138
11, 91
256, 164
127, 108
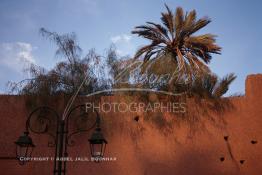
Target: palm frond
223, 85
199, 25
179, 21
167, 19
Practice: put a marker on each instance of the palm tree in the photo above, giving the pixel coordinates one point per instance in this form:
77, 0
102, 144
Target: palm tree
191, 53
209, 86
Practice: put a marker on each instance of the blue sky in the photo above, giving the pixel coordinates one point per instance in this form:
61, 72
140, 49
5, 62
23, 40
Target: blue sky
98, 23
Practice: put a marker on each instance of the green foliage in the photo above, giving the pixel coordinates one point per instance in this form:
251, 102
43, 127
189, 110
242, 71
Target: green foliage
174, 51
175, 37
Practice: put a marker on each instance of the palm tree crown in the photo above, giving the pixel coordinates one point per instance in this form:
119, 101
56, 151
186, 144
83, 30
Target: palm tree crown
191, 53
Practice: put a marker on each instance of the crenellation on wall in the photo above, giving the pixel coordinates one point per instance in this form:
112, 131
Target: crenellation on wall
253, 86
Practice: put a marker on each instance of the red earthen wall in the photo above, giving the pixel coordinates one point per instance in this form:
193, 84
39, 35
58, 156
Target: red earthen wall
147, 151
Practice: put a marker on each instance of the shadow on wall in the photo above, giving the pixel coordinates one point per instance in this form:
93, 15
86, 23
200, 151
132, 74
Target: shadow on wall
192, 163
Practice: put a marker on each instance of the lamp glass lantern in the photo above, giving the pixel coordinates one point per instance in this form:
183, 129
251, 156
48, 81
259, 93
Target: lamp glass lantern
24, 148
97, 144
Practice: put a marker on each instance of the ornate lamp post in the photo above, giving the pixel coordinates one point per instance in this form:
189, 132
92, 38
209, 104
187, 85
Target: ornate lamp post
61, 134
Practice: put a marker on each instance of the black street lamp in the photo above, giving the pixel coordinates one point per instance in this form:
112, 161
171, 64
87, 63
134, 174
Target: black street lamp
24, 148
97, 144
62, 136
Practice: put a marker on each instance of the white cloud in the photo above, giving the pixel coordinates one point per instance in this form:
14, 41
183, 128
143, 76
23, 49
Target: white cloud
124, 38
124, 44
16, 55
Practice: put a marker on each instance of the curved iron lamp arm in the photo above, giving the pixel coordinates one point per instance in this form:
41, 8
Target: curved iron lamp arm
42, 118
70, 142
34, 111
